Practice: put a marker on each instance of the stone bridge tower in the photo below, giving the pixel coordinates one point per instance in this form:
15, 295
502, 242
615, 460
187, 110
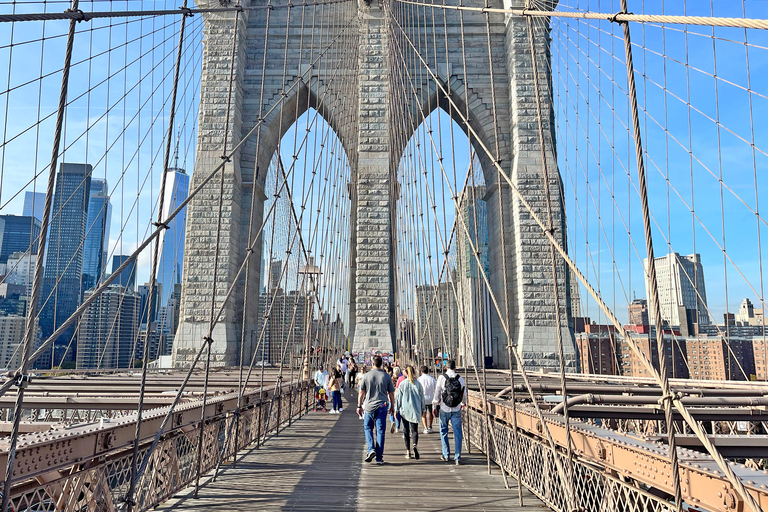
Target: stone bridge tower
354, 93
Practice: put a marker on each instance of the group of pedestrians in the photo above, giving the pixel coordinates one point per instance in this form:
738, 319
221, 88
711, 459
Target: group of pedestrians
410, 401
343, 375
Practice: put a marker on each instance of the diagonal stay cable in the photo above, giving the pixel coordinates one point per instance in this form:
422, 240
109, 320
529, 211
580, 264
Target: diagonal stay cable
132, 257
694, 425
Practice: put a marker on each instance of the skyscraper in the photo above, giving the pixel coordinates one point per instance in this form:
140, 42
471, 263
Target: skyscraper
475, 299
18, 234
682, 294
638, 312
96, 234
127, 278
107, 337
21, 270
172, 239
64, 255
437, 320
144, 315
285, 331
275, 271
34, 204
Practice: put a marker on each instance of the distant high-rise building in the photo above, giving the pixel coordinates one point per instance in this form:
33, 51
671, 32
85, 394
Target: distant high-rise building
12, 330
682, 294
597, 351
18, 234
34, 204
748, 315
474, 308
108, 331
169, 320
286, 326
150, 316
437, 321
715, 358
96, 234
633, 366
275, 271
13, 302
575, 298
172, 239
638, 312
127, 278
21, 270
64, 254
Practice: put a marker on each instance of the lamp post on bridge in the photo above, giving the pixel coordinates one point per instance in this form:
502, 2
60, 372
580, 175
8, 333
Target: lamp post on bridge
311, 273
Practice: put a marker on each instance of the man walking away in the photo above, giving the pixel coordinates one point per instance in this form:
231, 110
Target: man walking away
451, 394
428, 384
375, 387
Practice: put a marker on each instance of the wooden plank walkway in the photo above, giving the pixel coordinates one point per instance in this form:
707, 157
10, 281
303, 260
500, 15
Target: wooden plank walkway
316, 465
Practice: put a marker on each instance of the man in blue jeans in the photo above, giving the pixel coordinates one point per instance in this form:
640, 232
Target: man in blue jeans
375, 387
451, 395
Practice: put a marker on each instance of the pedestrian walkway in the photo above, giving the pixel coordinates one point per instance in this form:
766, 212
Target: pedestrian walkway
316, 465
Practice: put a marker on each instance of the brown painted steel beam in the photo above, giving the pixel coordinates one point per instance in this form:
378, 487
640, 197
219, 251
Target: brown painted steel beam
641, 459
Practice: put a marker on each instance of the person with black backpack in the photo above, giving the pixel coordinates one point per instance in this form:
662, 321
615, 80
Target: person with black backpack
451, 395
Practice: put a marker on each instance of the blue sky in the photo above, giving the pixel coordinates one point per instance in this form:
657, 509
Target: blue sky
119, 95
698, 127
675, 67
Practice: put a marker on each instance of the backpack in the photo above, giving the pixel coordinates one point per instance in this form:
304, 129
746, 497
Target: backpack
453, 393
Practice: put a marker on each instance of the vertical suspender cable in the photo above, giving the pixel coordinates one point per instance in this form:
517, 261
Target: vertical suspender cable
651, 270
208, 340
129, 497
22, 378
553, 262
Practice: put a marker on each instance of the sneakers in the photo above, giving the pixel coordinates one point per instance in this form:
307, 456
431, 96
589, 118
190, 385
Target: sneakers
379, 462
370, 456
333, 412
392, 429
444, 458
341, 409
457, 462
426, 431
408, 454
415, 453
430, 430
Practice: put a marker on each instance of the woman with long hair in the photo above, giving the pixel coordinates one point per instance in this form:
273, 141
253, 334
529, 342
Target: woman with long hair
410, 404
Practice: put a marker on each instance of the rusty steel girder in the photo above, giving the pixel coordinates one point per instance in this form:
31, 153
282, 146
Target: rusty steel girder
38, 453
637, 458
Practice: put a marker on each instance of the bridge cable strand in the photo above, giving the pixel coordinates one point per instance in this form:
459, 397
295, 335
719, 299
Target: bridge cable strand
131, 258
130, 498
553, 261
248, 277
217, 246
690, 279
552, 445
633, 345
198, 355
38, 275
620, 17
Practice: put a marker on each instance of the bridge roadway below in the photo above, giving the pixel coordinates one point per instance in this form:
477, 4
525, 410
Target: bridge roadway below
316, 465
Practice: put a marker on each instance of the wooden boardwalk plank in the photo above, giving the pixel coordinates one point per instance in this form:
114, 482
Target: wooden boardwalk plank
316, 465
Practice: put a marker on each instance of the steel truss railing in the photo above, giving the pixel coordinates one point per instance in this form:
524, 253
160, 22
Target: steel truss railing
611, 471
51, 472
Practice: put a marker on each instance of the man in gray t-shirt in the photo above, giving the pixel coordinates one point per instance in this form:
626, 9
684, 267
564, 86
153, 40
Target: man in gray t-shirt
375, 387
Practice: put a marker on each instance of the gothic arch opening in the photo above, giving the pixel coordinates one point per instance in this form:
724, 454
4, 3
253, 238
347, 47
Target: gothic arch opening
303, 284
442, 245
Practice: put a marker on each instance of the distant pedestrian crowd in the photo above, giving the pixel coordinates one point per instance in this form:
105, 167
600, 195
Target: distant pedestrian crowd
411, 401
